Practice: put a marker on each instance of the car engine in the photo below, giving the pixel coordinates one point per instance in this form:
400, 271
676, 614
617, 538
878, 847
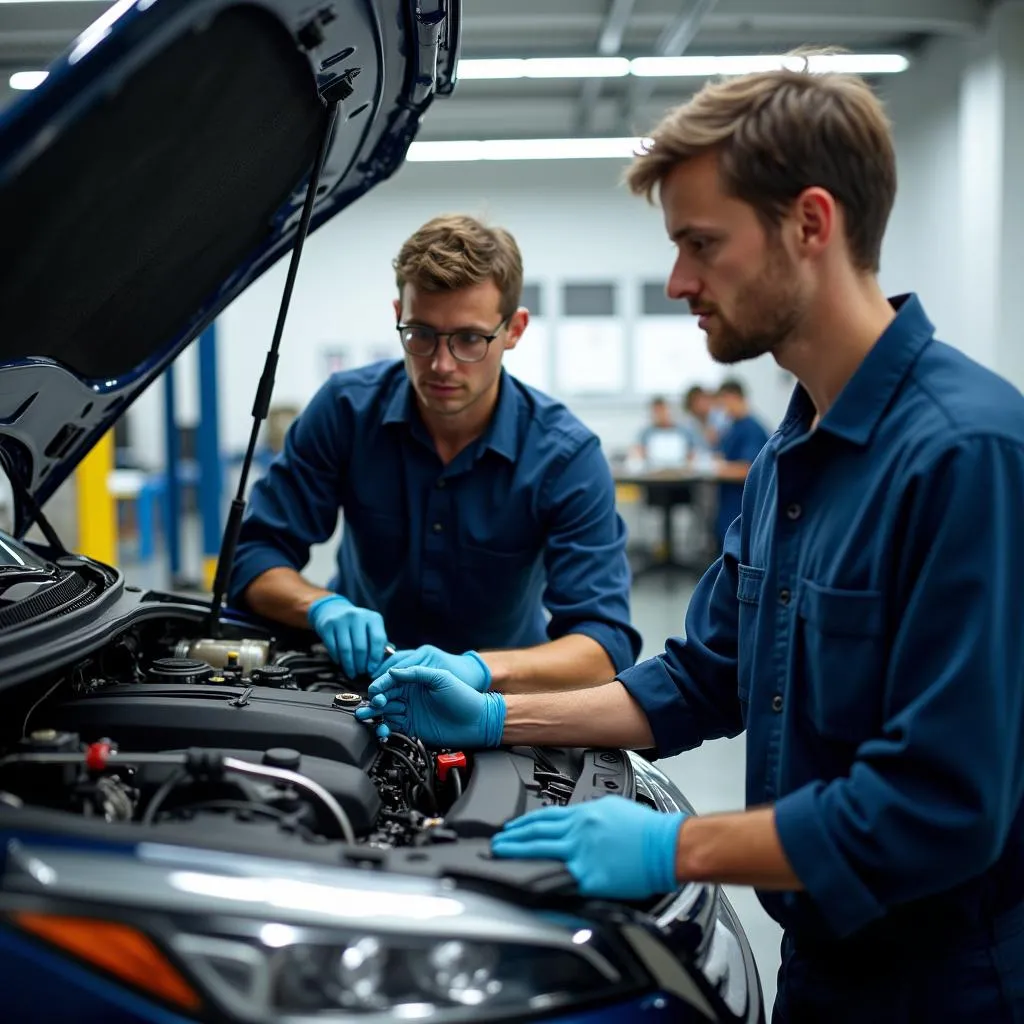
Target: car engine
247, 734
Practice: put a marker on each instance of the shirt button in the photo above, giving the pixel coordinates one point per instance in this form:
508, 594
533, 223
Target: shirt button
777, 703
794, 511
438, 527
440, 485
784, 595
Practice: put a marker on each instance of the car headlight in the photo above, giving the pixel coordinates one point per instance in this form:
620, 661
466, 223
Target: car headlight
301, 973
266, 940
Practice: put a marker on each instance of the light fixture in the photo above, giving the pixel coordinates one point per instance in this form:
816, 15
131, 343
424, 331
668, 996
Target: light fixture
524, 149
707, 67
27, 79
677, 67
544, 67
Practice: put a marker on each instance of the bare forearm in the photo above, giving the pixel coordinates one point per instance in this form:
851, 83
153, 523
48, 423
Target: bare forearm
599, 716
735, 472
283, 595
566, 663
735, 849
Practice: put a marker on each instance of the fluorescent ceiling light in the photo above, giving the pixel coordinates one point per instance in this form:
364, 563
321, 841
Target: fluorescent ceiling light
525, 149
677, 67
545, 67
27, 79
706, 67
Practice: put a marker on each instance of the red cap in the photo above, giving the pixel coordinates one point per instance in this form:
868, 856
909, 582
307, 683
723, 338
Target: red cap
96, 755
445, 762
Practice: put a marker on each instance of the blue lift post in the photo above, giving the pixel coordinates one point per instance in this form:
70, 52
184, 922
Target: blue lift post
208, 451
172, 492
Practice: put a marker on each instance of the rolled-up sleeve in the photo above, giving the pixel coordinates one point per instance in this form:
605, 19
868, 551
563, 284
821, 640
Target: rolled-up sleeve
929, 802
588, 575
689, 693
296, 504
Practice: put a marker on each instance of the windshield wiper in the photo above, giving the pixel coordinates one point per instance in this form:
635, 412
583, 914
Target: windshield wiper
338, 90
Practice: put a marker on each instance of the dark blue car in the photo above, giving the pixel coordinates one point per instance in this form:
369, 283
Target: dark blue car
193, 825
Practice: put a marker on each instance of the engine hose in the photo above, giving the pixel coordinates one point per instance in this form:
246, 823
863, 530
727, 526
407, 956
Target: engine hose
300, 782
421, 779
172, 780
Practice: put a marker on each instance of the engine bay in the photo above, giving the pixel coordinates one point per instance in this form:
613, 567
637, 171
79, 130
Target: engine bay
249, 736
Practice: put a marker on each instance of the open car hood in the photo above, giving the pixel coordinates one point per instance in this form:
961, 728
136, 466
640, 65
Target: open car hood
161, 168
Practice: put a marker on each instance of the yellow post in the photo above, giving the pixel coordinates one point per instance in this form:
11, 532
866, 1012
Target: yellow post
97, 509
209, 571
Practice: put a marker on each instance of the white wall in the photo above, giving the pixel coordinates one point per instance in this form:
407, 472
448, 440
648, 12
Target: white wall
574, 221
923, 245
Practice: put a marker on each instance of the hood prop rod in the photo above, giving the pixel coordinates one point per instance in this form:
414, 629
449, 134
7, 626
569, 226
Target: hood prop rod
261, 404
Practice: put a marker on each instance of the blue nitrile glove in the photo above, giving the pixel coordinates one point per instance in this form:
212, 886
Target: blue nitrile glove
469, 667
614, 848
436, 707
354, 637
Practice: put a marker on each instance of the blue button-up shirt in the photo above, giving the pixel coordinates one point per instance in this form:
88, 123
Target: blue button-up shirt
865, 625
462, 556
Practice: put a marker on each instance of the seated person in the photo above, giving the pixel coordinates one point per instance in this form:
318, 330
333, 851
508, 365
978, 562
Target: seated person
471, 502
663, 443
737, 449
698, 412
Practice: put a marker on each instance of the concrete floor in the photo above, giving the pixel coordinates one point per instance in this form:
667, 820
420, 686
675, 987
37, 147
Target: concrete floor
712, 776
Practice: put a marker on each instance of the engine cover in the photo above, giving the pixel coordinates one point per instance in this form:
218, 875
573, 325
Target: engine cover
154, 716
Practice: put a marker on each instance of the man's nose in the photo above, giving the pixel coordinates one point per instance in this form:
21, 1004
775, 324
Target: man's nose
443, 361
682, 283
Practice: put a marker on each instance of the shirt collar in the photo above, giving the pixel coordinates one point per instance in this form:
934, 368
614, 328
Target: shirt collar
400, 407
502, 433
861, 404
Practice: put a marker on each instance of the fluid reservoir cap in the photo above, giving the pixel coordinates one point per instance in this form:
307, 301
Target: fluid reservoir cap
282, 757
180, 670
271, 675
346, 700
51, 741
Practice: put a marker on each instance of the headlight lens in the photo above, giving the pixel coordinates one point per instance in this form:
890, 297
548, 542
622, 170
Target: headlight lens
363, 976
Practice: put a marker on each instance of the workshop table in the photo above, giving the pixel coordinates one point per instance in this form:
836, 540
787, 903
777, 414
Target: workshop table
668, 489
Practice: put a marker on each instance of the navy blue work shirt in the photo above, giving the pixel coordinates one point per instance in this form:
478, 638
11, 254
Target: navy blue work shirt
741, 442
865, 625
463, 556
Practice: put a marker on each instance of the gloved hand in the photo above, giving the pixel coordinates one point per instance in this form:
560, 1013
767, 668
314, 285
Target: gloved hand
468, 667
354, 637
613, 847
436, 707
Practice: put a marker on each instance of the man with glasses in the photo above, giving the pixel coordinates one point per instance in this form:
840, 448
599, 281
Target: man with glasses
480, 532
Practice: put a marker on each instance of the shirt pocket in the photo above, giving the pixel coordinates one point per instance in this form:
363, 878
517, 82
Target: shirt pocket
749, 584
842, 646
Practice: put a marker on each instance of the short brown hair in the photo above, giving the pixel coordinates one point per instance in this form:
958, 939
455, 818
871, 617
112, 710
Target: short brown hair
456, 251
779, 132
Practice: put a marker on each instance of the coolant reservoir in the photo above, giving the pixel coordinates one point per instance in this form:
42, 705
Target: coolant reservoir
251, 653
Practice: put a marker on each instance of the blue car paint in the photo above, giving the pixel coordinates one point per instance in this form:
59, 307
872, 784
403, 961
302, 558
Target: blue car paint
42, 986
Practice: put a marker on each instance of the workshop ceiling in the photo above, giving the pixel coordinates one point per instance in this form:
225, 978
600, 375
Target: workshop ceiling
34, 32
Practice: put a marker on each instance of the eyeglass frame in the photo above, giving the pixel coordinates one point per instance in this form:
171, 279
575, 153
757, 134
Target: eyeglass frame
448, 335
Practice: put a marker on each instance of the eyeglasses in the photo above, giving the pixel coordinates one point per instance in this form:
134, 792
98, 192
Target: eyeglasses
465, 346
